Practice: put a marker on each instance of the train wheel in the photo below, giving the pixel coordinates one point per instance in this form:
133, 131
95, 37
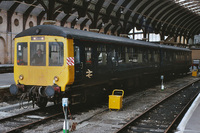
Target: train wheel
41, 102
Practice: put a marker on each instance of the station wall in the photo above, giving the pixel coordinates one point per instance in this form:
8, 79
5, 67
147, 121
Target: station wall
7, 38
195, 54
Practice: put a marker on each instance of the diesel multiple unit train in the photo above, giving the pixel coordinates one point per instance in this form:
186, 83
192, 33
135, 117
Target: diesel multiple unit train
52, 62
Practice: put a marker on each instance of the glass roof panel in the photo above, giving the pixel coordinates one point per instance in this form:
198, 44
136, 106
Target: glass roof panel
6, 5
192, 5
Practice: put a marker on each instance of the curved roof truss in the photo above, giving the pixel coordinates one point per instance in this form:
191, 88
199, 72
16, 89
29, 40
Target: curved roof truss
167, 17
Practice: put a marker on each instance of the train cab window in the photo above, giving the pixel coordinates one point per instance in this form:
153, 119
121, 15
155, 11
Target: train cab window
38, 54
77, 55
22, 53
102, 55
88, 55
55, 53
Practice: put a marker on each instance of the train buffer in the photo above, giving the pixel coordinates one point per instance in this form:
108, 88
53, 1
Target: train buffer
115, 100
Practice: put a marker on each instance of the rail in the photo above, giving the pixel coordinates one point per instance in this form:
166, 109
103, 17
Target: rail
162, 116
42, 115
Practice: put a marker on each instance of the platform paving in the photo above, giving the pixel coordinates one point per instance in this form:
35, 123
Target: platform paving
6, 79
191, 121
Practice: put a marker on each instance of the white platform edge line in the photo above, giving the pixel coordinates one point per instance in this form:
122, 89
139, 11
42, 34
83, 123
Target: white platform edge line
4, 86
187, 116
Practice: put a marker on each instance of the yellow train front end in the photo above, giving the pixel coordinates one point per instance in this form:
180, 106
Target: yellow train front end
43, 66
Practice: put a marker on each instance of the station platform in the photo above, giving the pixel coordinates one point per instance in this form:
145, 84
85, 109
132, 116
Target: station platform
6, 65
6, 79
191, 120
6, 68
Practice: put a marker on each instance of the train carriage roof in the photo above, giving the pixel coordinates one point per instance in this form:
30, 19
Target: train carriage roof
53, 30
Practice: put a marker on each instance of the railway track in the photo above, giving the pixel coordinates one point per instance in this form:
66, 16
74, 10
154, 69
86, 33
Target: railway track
30, 119
30, 124
17, 123
4, 93
163, 116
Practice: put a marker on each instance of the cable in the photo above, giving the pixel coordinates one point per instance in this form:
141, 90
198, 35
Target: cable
23, 96
70, 113
65, 122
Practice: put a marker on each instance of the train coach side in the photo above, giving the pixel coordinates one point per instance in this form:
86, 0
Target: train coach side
174, 60
78, 63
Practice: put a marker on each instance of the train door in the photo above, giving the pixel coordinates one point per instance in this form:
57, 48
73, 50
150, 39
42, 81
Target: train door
79, 59
89, 62
113, 59
84, 61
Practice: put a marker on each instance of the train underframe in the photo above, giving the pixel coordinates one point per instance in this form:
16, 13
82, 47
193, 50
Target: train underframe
40, 95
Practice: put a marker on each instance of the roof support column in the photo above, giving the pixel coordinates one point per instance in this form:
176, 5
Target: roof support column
162, 37
179, 39
133, 32
186, 40
9, 16
183, 39
50, 11
144, 34
175, 38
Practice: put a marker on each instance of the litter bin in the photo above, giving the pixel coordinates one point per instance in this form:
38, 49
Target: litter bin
115, 100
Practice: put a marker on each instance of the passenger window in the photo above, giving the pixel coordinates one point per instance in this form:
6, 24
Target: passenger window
176, 56
102, 55
135, 56
145, 56
140, 56
156, 56
38, 54
77, 55
88, 55
170, 56
22, 54
113, 56
130, 55
121, 55
150, 56
164, 56
56, 54
182, 56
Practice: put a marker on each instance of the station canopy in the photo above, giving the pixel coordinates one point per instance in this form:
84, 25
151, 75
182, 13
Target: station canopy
165, 17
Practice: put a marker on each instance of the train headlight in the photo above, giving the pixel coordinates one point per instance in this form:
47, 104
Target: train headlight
21, 77
56, 78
